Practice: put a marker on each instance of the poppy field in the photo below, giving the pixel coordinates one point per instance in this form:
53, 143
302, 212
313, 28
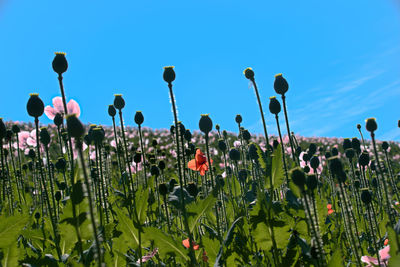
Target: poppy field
73, 194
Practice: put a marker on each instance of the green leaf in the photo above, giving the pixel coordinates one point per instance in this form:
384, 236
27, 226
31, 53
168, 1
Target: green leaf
129, 236
197, 210
141, 197
336, 259
11, 255
277, 171
10, 228
166, 244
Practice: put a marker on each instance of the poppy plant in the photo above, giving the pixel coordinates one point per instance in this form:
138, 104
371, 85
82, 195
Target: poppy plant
330, 210
383, 255
186, 243
199, 163
72, 107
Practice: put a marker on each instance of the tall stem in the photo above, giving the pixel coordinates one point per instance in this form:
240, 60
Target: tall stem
295, 159
261, 111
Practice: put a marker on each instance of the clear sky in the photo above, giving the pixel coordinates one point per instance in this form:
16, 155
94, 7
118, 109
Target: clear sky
341, 59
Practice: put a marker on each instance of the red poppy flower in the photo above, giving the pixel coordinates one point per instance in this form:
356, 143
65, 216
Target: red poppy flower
330, 211
199, 163
329, 206
186, 244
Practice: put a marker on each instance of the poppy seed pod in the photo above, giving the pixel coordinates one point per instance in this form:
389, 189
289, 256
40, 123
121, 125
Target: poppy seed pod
314, 162
163, 189
359, 126
75, 126
385, 145
274, 105
187, 135
112, 111
217, 127
363, 160
234, 154
242, 175
366, 196
3, 129
306, 157
350, 153
32, 154
44, 136
35, 106
221, 145
312, 149
311, 182
182, 128
205, 124
169, 74
253, 152
281, 86
346, 143
57, 195
161, 165
15, 128
60, 64
356, 144
139, 119
249, 74
298, 177
371, 125
137, 158
98, 135
192, 189
119, 102
238, 119
61, 164
154, 170
246, 135
334, 151
58, 119
335, 165
306, 169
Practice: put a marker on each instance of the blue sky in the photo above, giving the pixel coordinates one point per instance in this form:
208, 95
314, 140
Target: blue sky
341, 59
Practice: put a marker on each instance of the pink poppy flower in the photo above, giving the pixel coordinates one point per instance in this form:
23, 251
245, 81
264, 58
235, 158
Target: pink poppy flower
22, 138
72, 107
384, 258
31, 140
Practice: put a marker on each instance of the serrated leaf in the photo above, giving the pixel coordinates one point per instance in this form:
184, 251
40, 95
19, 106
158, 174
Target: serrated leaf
10, 228
197, 210
277, 171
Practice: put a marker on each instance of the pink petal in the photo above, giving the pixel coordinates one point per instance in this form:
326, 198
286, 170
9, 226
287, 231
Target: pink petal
50, 112
73, 108
369, 260
30, 141
58, 104
384, 253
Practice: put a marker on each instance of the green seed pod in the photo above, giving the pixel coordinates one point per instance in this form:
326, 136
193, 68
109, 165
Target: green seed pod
298, 177
112, 111
15, 128
163, 189
234, 154
192, 189
350, 153
137, 158
371, 125
75, 126
311, 182
238, 119
312, 149
363, 160
35, 106
169, 74
249, 74
346, 143
161, 165
246, 135
274, 105
253, 152
366, 196
314, 162
205, 124
44, 136
154, 170
97, 135
335, 165
119, 102
187, 135
242, 175
61, 164
221, 145
58, 119
139, 119
60, 64
359, 126
57, 195
385, 145
281, 86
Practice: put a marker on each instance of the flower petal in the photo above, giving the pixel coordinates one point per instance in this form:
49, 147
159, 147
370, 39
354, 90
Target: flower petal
50, 112
58, 104
73, 108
